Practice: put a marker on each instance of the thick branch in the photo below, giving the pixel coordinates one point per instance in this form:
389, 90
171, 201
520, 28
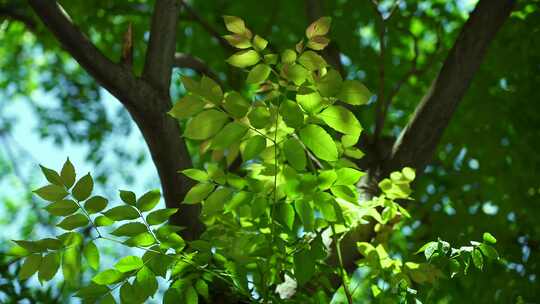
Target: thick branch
162, 45
146, 105
417, 142
182, 60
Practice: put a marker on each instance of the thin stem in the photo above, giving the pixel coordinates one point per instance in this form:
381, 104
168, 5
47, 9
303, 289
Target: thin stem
89, 218
344, 277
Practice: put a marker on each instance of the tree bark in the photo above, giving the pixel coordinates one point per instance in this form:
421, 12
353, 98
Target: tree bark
418, 141
146, 99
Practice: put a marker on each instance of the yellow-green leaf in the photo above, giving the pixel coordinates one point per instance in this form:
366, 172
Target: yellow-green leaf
205, 124
319, 142
244, 59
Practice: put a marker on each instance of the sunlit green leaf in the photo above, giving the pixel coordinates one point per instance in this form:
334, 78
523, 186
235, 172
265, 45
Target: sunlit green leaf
109, 276
196, 174
294, 153
244, 59
129, 263
236, 104
91, 254
259, 117
130, 229
120, 213
292, 114
319, 27
341, 120
354, 92
230, 134
258, 74
319, 142
188, 106
198, 193
128, 197
205, 124
254, 146
149, 200
160, 216
312, 61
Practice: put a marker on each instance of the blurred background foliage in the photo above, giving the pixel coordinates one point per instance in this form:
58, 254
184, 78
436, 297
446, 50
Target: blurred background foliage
484, 176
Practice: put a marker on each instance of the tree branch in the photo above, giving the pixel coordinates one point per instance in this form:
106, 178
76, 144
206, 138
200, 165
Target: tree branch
115, 78
145, 104
182, 60
162, 45
417, 142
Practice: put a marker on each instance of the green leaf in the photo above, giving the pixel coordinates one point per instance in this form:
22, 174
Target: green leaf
149, 200
215, 202
318, 43
312, 61
91, 254
329, 85
121, 213
62, 208
130, 229
259, 43
254, 146
326, 179
205, 124
295, 73
50, 243
83, 188
235, 24
319, 142
325, 203
128, 197
285, 215
109, 276
229, 135
258, 74
259, 117
348, 176
191, 85
341, 120
68, 174
196, 174
144, 239
95, 204
92, 291
51, 193
52, 176
202, 289
160, 216
73, 221
319, 27
191, 295
354, 92
408, 173
238, 41
304, 267
129, 263
288, 56
305, 212
30, 246
198, 193
211, 90
244, 59
488, 237
236, 104
292, 114
49, 266
477, 258
30, 266
146, 282
294, 153
102, 220
188, 106
71, 263
310, 102
489, 251
258, 206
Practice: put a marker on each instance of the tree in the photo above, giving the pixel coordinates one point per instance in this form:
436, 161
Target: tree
147, 97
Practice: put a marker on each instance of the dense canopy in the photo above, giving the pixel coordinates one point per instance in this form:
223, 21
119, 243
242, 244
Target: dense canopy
405, 66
